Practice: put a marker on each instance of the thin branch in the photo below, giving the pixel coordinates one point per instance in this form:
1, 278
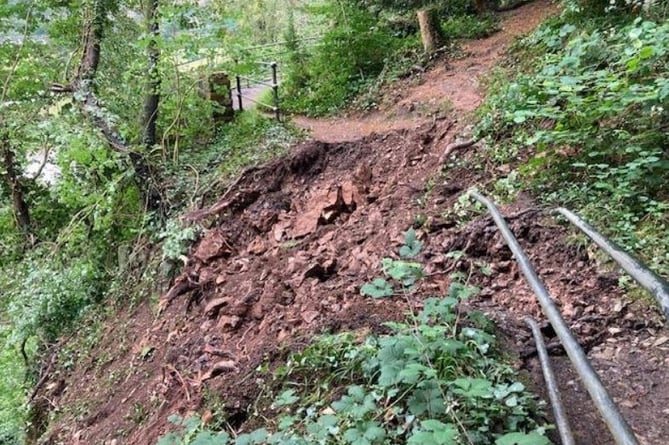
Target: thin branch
17, 59
456, 146
47, 150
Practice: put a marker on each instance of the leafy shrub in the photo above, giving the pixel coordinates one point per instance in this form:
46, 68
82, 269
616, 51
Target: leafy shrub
46, 295
469, 26
350, 55
429, 381
591, 122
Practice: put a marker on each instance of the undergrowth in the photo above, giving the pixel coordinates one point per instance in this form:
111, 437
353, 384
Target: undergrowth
370, 46
585, 121
437, 378
105, 255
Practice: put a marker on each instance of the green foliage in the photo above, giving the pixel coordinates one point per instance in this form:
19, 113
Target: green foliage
435, 379
252, 139
464, 210
43, 296
523, 439
192, 433
12, 391
201, 170
411, 246
452, 8
368, 45
47, 296
378, 288
469, 26
402, 272
350, 56
590, 120
177, 240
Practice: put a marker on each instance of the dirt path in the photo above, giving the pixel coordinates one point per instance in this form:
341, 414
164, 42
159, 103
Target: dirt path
288, 246
452, 87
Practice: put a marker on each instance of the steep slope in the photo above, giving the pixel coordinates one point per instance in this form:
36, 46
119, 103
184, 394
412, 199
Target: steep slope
289, 244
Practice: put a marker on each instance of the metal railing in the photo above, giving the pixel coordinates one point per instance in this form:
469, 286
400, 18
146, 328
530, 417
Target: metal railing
275, 90
616, 423
652, 282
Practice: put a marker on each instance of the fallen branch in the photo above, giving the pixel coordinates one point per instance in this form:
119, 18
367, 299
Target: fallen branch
45, 159
183, 284
456, 146
222, 203
218, 369
45, 376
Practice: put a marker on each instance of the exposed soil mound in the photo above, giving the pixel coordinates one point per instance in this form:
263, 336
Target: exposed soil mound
285, 251
287, 248
284, 255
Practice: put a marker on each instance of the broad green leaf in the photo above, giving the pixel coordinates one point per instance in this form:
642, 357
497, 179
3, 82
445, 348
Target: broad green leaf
473, 387
434, 432
286, 398
427, 400
210, 437
378, 288
403, 271
411, 246
523, 439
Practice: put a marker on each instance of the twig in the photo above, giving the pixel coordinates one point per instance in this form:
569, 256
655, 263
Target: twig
183, 285
44, 378
15, 64
37, 174
243, 337
445, 131
197, 182
180, 378
222, 203
456, 146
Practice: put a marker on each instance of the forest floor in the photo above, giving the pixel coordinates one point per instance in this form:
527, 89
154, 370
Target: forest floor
290, 243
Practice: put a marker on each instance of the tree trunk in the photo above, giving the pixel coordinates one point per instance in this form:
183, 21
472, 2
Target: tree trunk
82, 86
152, 88
94, 23
430, 30
13, 184
480, 6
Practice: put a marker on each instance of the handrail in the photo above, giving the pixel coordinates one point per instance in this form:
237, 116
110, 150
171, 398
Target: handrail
648, 279
620, 430
275, 91
271, 107
561, 420
256, 81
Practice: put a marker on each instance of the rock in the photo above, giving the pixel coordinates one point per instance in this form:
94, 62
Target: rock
614, 331
228, 322
629, 403
215, 305
501, 266
660, 341
206, 325
310, 316
212, 245
322, 270
219, 368
257, 247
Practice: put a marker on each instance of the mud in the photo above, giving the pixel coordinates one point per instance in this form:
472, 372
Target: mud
285, 251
